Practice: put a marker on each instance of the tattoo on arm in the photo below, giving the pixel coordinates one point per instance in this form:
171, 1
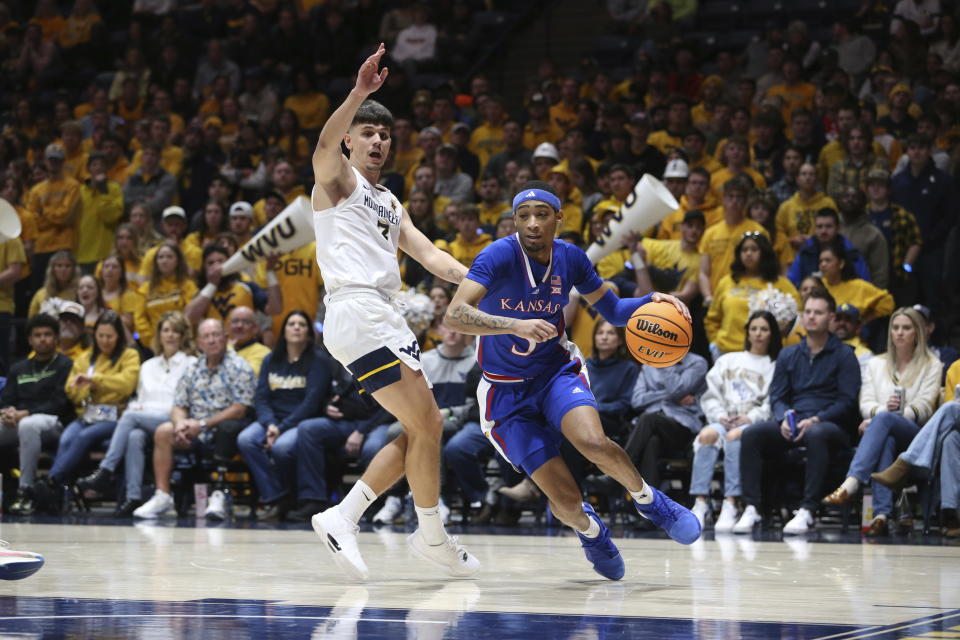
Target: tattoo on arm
468, 316
453, 275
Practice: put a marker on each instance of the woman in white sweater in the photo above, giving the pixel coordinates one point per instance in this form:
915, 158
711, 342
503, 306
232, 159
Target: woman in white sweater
173, 341
736, 397
890, 422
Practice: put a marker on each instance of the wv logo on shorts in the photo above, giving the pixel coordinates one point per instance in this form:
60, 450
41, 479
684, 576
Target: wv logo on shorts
413, 350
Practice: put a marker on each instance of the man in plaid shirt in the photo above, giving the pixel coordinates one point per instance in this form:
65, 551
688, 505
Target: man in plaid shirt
901, 230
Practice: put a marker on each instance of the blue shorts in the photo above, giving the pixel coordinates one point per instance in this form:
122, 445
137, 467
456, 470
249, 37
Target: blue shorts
522, 419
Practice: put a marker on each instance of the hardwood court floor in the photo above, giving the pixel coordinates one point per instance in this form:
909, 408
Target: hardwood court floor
160, 581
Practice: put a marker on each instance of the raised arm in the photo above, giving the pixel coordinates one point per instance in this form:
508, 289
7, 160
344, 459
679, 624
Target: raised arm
464, 316
331, 169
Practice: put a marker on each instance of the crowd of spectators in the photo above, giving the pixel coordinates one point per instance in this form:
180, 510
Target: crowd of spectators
815, 177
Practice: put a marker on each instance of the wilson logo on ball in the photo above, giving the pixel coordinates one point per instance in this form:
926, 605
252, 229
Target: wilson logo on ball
653, 328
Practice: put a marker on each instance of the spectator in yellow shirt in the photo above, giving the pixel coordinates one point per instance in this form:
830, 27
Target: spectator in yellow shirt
171, 156
762, 208
492, 205
795, 93
563, 114
75, 158
754, 269
736, 155
695, 146
56, 203
795, 216
470, 240
678, 122
696, 197
487, 139
101, 207
571, 215
168, 289
840, 279
244, 337
720, 240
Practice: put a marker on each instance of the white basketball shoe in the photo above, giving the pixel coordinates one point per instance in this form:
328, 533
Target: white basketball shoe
339, 535
449, 555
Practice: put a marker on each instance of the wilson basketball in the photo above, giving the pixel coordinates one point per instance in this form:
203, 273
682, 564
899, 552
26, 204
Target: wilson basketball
658, 335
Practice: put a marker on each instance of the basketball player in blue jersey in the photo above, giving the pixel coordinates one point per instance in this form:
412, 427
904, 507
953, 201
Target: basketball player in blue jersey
359, 226
535, 388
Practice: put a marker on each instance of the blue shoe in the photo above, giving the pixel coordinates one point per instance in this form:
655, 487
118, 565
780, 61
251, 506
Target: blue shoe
679, 522
601, 552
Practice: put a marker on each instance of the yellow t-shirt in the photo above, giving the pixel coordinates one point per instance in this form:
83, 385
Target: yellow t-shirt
726, 320
719, 178
720, 241
673, 263
487, 140
168, 296
550, 133
192, 255
223, 302
669, 228
28, 235
953, 379
11, 251
665, 141
55, 205
254, 353
563, 117
300, 282
126, 302
491, 215
798, 96
871, 301
795, 216
312, 109
465, 251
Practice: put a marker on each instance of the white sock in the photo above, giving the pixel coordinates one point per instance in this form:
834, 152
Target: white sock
357, 500
851, 484
701, 499
881, 516
592, 531
431, 526
644, 495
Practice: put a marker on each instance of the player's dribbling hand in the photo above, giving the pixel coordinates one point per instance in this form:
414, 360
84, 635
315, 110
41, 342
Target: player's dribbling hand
535, 330
675, 301
368, 78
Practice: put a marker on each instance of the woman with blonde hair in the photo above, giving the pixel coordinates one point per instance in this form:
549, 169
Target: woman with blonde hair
141, 221
117, 292
126, 247
63, 275
169, 289
174, 346
899, 394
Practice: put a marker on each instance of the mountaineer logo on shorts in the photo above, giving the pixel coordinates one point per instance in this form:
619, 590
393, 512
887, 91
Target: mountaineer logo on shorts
413, 350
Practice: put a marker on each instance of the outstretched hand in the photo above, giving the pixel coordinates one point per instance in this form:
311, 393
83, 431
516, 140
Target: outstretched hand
675, 301
369, 79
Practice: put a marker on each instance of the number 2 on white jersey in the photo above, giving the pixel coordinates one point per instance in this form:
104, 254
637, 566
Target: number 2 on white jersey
384, 229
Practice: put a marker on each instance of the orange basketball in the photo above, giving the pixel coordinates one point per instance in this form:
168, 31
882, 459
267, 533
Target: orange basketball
658, 334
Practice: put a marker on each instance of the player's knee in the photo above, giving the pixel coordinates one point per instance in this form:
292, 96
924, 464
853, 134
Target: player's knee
596, 449
707, 436
430, 425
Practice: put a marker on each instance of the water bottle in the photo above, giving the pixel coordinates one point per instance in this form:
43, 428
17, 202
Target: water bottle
898, 392
791, 417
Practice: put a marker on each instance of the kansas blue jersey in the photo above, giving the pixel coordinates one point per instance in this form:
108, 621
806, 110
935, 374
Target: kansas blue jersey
518, 287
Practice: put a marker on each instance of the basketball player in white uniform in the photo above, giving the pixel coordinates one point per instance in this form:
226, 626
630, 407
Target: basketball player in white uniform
359, 226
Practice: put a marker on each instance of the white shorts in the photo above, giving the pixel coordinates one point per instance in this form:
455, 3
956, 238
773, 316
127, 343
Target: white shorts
369, 337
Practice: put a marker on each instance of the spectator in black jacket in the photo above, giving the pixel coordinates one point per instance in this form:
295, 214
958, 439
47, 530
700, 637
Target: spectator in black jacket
34, 403
352, 424
819, 380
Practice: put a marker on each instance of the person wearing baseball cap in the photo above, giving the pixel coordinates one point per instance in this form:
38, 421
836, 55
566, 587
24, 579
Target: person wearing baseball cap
73, 340
545, 156
241, 221
675, 177
900, 230
899, 121
55, 202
